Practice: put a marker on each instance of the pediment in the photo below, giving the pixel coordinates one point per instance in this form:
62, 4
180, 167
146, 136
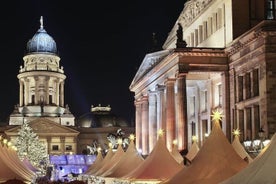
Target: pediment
45, 126
150, 60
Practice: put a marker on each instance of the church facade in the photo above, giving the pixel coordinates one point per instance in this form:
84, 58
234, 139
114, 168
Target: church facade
41, 105
219, 55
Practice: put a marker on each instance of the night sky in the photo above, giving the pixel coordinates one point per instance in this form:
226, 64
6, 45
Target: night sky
101, 45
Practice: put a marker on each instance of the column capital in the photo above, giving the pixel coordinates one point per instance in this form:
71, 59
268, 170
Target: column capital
160, 87
181, 75
183, 68
169, 81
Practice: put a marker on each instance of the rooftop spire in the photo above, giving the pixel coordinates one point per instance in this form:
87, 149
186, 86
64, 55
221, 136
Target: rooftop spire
41, 22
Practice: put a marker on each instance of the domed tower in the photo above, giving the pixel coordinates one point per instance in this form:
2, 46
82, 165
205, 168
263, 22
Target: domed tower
41, 81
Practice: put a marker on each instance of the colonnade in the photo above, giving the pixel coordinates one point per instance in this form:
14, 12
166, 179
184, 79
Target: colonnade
162, 108
26, 92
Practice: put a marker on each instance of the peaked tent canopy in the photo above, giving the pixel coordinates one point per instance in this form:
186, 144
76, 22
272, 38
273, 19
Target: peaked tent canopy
128, 162
11, 166
216, 161
261, 170
106, 159
113, 161
238, 147
92, 168
192, 152
176, 155
159, 165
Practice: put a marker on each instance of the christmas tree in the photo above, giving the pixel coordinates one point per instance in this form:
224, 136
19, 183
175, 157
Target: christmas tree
28, 146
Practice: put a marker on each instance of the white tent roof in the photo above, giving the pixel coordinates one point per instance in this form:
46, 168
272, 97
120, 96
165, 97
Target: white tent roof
176, 155
128, 162
12, 167
238, 147
95, 165
113, 161
261, 170
215, 161
159, 165
106, 159
192, 152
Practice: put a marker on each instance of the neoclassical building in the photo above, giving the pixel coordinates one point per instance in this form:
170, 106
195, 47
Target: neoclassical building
219, 55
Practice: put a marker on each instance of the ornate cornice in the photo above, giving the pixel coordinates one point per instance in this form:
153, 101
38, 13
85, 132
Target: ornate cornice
263, 29
192, 9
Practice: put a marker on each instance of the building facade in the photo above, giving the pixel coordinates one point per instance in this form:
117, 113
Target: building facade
41, 104
219, 55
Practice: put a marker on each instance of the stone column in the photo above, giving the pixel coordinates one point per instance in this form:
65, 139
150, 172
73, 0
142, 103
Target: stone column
62, 94
145, 125
36, 99
160, 108
21, 92
138, 124
57, 92
47, 80
26, 91
170, 113
62, 143
152, 120
49, 144
181, 112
